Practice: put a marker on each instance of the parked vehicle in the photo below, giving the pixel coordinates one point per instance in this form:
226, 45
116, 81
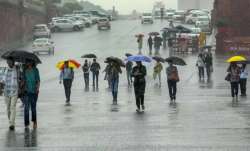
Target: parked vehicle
179, 15
66, 24
147, 18
43, 45
169, 13
193, 17
41, 31
196, 30
202, 20
103, 23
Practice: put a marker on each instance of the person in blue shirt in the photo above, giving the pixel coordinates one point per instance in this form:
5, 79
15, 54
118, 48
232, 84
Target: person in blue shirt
67, 76
31, 85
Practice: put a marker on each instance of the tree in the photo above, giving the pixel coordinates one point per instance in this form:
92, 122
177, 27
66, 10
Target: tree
68, 8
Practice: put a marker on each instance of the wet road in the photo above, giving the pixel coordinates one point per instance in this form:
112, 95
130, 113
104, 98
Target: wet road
204, 117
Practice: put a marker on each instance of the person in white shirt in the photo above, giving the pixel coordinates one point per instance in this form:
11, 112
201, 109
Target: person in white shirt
10, 82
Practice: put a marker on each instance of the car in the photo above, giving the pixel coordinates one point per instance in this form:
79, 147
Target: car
41, 31
179, 16
193, 17
103, 23
202, 20
196, 30
66, 24
147, 18
87, 21
43, 45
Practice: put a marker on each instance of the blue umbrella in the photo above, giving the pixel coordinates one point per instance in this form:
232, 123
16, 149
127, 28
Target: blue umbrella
139, 58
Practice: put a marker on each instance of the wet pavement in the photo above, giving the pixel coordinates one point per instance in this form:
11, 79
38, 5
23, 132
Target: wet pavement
204, 117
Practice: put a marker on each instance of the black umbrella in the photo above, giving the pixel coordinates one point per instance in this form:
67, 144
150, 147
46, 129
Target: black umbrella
159, 59
21, 56
128, 54
154, 33
116, 60
89, 56
176, 61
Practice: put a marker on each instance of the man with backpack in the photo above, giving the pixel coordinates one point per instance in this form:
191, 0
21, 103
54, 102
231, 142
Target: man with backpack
67, 76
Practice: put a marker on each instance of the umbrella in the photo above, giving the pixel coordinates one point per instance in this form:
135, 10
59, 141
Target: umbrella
128, 54
139, 58
116, 60
154, 33
89, 56
236, 59
21, 56
183, 29
159, 59
72, 64
169, 29
176, 61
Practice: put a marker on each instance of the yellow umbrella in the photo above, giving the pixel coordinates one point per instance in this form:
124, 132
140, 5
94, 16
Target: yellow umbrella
236, 59
72, 64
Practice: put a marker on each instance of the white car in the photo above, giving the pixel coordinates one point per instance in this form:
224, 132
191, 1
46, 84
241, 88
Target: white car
196, 30
147, 18
66, 24
193, 17
202, 20
179, 16
41, 31
43, 45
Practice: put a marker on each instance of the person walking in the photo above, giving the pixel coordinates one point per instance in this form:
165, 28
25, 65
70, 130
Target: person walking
140, 43
107, 71
208, 60
173, 78
157, 71
115, 70
170, 46
32, 85
150, 44
165, 38
157, 44
85, 69
10, 82
67, 76
243, 80
201, 65
95, 68
234, 72
138, 73
129, 67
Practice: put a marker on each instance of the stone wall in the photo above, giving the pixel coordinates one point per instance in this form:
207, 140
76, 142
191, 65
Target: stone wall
16, 23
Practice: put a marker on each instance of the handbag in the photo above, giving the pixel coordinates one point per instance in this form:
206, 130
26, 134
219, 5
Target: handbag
228, 77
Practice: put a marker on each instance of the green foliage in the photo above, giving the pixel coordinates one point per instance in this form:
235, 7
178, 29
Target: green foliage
68, 8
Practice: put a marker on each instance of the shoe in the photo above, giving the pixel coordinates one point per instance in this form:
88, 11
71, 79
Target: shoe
138, 110
34, 125
12, 128
143, 107
27, 127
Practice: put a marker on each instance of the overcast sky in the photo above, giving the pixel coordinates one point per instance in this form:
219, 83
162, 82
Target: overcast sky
126, 6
